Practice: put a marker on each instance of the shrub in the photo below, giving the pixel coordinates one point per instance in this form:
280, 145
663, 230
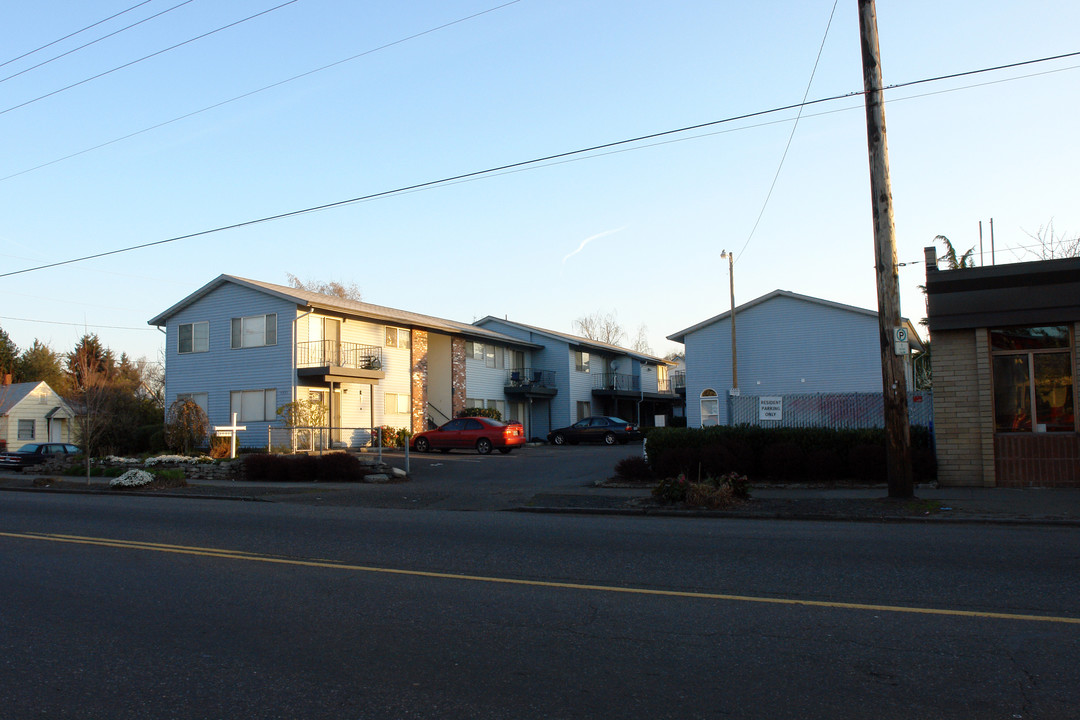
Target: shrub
492, 413
332, 467
709, 496
784, 461
339, 467
186, 426
220, 447
393, 437
633, 468
671, 489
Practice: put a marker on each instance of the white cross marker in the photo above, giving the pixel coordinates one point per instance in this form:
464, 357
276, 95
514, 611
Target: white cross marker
231, 431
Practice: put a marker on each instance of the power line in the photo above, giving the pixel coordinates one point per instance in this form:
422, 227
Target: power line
262, 89
515, 165
791, 136
147, 57
71, 35
93, 42
75, 324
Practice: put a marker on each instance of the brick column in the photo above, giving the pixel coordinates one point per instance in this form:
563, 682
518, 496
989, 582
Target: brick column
963, 407
457, 375
419, 379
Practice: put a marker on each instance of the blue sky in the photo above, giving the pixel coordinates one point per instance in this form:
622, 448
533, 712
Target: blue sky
637, 232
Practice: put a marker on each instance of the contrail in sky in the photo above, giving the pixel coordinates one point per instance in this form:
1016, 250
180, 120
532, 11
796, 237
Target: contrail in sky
589, 239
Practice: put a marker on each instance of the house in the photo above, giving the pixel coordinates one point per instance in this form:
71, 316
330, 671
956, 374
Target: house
248, 347
785, 343
33, 412
588, 377
1006, 368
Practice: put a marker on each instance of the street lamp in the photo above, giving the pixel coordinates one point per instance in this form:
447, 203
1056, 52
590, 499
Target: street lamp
734, 357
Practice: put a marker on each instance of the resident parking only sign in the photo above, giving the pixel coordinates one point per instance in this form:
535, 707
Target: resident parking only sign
770, 408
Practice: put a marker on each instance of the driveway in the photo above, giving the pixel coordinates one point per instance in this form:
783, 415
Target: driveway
464, 480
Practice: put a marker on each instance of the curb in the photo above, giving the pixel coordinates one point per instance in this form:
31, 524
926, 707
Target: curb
134, 493
809, 517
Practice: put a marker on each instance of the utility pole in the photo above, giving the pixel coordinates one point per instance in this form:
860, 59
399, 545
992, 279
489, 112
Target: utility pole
894, 384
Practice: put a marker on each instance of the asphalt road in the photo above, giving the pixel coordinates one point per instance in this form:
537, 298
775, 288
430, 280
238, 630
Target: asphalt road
134, 607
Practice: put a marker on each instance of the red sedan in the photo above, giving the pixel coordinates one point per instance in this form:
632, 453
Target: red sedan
471, 432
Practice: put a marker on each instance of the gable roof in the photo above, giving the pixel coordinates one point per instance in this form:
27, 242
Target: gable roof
680, 337
12, 395
318, 301
577, 340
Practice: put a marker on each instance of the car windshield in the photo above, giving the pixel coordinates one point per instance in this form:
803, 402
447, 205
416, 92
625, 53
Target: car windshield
618, 421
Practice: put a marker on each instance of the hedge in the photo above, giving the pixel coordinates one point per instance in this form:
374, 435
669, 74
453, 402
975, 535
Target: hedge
332, 467
778, 454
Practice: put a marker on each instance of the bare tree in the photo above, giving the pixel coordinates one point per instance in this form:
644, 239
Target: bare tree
599, 327
90, 389
641, 341
349, 291
1052, 245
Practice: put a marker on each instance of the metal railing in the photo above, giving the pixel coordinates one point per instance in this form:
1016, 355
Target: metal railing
341, 354
678, 380
617, 381
526, 377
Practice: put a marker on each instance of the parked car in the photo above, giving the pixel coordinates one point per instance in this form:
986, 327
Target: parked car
471, 432
600, 428
35, 454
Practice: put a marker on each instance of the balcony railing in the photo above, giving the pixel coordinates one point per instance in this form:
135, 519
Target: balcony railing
617, 381
319, 353
530, 378
678, 380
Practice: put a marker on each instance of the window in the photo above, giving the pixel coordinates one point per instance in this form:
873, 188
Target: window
493, 356
1033, 379
499, 405
26, 430
398, 338
254, 331
581, 361
254, 405
194, 337
474, 403
200, 399
584, 409
395, 403
710, 408
474, 350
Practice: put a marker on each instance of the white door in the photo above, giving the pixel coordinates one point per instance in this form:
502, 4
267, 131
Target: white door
56, 430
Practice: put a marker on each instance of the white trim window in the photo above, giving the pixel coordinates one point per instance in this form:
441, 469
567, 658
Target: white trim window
581, 361
193, 337
584, 409
26, 429
253, 405
398, 338
710, 408
395, 403
254, 331
474, 350
499, 405
493, 357
199, 398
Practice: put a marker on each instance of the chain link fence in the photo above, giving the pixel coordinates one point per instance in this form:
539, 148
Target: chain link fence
282, 439
839, 411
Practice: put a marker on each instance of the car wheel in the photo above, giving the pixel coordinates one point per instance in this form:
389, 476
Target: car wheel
558, 439
423, 445
483, 446
505, 451
609, 439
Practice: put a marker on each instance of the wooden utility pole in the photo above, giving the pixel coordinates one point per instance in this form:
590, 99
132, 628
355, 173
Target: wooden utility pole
894, 384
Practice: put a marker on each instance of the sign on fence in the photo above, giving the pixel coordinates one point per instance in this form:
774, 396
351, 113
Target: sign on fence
771, 408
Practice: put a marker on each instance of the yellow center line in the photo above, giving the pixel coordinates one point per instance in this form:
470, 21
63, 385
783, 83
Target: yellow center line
329, 564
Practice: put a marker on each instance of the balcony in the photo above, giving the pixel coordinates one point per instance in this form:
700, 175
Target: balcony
678, 382
339, 361
624, 385
530, 383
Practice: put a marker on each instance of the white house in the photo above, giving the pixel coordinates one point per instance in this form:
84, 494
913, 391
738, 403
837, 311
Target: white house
33, 412
786, 343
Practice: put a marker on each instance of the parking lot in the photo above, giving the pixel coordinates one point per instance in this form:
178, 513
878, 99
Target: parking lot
465, 480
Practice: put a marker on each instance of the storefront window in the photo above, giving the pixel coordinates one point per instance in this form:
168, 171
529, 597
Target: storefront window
1033, 379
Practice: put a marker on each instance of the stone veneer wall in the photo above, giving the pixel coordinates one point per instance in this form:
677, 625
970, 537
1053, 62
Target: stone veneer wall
419, 379
457, 375
963, 407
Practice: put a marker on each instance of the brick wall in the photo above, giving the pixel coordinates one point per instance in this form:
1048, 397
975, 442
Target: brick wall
963, 409
419, 380
457, 375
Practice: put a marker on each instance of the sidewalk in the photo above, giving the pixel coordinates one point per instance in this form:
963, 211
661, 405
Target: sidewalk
1032, 506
